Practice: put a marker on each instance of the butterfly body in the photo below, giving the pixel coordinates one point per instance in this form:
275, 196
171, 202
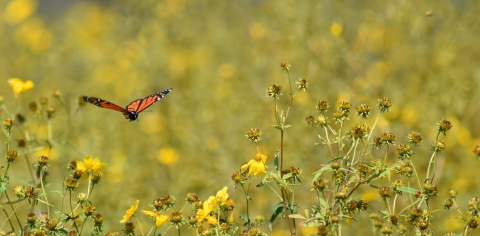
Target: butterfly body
132, 109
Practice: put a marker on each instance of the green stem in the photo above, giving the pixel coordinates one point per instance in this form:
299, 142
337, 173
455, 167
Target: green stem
432, 161
43, 190
140, 225
71, 210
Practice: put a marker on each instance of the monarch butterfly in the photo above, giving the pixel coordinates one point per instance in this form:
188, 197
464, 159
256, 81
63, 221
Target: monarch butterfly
132, 109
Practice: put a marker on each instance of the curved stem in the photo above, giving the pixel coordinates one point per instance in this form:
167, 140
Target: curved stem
43, 190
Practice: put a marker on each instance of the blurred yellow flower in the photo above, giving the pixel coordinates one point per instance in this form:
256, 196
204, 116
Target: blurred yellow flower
255, 166
20, 86
167, 156
130, 212
336, 29
159, 218
208, 207
18, 10
257, 30
90, 166
231, 218
222, 195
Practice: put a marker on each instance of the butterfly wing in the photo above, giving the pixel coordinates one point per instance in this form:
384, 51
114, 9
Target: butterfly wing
139, 105
105, 104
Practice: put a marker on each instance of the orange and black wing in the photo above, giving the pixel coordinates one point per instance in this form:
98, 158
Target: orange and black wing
141, 104
105, 104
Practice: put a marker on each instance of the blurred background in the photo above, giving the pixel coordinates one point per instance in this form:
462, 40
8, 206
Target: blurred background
219, 57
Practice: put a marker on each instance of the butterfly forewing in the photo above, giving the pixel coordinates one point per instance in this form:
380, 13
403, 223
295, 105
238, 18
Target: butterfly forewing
105, 104
142, 104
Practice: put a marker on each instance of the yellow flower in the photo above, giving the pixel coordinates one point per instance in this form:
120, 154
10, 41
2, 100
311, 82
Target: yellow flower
167, 156
208, 207
212, 221
255, 166
90, 166
130, 212
336, 29
20, 86
159, 218
223, 195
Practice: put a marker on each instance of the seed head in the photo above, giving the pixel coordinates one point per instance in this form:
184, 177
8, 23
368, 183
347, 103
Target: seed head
384, 104
443, 126
11, 155
8, 123
363, 111
321, 121
71, 184
31, 220
384, 192
50, 112
386, 230
360, 131
362, 205
285, 65
398, 184
473, 223
310, 120
96, 177
176, 218
254, 135
56, 93
452, 193
33, 106
98, 218
322, 106
388, 138
377, 142
274, 91
22, 143
414, 138
476, 151
88, 210
19, 192
42, 161
447, 204
259, 219
404, 152
439, 146
51, 224
302, 85
319, 185
191, 198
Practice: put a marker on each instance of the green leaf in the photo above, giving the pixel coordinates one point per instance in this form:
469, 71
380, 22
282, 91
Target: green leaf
287, 126
286, 176
276, 126
297, 216
407, 190
277, 210
3, 187
57, 191
323, 203
245, 218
